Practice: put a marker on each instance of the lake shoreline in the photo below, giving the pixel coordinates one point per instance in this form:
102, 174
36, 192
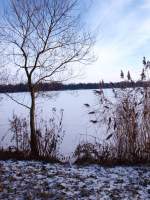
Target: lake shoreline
58, 86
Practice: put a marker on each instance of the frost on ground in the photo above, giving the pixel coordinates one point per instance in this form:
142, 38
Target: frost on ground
28, 180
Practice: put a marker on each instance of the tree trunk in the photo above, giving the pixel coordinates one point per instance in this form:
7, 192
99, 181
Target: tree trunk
33, 143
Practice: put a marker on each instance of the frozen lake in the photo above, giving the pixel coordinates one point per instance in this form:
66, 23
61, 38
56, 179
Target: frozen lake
76, 121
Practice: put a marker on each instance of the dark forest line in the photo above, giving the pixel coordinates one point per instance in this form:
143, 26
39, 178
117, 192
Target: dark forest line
56, 86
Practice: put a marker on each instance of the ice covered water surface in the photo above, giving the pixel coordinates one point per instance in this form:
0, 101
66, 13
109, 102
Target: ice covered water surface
76, 121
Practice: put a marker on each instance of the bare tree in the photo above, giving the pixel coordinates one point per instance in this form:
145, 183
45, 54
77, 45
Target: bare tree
44, 39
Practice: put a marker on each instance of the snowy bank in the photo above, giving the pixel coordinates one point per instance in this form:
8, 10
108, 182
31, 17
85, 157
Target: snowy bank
24, 180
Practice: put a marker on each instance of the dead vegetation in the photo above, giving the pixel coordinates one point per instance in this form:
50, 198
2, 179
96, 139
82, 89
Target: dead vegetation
49, 135
127, 117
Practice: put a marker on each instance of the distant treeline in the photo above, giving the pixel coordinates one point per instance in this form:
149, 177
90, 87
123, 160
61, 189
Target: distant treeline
55, 86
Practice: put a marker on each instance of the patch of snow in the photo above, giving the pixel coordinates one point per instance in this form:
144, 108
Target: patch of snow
35, 180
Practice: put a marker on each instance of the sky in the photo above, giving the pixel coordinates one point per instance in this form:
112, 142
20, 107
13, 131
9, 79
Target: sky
122, 39
122, 29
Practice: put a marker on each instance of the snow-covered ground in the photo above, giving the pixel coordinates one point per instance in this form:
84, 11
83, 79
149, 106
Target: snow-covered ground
28, 180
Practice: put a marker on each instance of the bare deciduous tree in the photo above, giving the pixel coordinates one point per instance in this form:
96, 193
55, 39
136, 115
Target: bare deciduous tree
44, 39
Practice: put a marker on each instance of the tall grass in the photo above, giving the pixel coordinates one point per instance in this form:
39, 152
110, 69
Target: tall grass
19, 133
126, 116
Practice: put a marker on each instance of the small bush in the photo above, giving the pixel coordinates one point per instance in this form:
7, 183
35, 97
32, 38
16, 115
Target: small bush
97, 153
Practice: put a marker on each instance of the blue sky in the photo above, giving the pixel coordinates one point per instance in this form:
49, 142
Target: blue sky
123, 37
